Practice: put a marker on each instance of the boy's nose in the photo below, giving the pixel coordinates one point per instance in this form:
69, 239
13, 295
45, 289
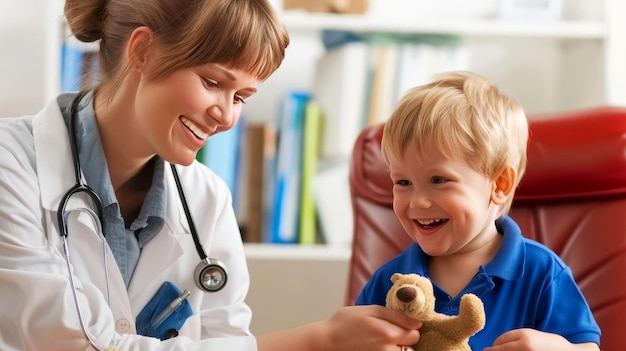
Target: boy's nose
420, 201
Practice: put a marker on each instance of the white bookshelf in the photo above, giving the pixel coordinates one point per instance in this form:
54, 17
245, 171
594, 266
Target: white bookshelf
566, 29
287, 252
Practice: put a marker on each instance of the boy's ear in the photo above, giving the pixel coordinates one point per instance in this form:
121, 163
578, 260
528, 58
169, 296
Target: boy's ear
137, 47
503, 185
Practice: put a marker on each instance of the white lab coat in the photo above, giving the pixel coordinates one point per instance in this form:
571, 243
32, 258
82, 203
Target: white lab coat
38, 308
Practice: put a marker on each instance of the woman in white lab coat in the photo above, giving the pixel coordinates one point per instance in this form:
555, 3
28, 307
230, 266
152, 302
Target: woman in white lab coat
38, 308
174, 72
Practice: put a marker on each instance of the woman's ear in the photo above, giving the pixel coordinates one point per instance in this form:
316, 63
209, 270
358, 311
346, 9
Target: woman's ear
138, 47
503, 185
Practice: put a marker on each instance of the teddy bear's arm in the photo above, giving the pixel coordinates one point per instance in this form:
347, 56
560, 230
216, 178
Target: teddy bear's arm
471, 319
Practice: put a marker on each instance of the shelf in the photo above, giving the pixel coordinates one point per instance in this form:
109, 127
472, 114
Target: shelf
299, 20
297, 252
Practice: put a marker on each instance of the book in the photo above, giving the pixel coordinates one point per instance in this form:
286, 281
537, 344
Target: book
419, 62
71, 66
340, 89
260, 151
310, 154
415, 67
221, 153
80, 65
333, 202
382, 92
284, 221
269, 180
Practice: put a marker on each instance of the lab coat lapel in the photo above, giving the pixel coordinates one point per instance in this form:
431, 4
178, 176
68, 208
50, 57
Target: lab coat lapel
92, 268
164, 249
53, 154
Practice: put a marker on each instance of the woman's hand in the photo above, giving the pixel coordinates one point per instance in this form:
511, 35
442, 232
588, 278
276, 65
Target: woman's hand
366, 328
363, 328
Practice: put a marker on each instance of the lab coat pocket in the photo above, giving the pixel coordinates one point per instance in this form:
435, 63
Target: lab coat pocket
165, 313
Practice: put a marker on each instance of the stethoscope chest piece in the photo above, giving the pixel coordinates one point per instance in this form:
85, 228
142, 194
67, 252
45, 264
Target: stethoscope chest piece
210, 275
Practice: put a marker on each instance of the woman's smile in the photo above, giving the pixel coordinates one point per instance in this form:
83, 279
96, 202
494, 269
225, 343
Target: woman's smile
193, 128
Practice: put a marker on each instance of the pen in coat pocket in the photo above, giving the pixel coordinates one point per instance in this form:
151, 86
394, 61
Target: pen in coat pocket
171, 307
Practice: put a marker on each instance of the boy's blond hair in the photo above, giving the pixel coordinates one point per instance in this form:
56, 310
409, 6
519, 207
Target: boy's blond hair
466, 116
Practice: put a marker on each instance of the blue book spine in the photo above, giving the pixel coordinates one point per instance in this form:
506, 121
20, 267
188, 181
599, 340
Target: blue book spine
71, 67
221, 154
284, 222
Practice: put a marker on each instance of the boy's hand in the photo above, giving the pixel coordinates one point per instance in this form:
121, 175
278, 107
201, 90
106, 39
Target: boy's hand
527, 339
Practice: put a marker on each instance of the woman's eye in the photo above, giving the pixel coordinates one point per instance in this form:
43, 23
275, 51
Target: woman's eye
209, 83
240, 99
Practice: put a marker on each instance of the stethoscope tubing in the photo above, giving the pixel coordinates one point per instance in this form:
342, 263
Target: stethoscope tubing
192, 225
79, 186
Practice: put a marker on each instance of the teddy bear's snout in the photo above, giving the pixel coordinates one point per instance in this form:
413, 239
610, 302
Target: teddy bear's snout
406, 294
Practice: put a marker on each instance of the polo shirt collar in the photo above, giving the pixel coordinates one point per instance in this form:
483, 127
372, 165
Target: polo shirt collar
506, 264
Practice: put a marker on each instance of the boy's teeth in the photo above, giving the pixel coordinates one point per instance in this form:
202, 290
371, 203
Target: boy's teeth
194, 129
429, 222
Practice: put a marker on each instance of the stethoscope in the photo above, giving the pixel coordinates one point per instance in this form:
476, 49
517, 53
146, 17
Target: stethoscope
209, 275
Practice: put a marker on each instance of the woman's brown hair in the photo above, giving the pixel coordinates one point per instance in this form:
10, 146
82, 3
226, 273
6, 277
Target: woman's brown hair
243, 34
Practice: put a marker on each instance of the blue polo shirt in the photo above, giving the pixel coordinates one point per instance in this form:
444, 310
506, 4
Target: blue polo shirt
525, 285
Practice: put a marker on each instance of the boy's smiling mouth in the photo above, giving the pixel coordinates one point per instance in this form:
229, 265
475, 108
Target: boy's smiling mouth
431, 223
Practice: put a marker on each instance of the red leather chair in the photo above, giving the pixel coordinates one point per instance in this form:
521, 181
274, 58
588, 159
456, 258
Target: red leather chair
572, 198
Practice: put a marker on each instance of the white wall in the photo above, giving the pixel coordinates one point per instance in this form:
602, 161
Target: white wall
22, 56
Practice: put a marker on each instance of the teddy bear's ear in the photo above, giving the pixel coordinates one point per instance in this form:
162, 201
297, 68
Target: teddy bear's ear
395, 277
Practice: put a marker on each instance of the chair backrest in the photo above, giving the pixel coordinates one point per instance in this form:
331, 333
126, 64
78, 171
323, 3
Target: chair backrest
572, 198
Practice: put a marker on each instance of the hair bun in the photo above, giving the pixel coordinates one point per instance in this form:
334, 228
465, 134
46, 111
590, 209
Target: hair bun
84, 18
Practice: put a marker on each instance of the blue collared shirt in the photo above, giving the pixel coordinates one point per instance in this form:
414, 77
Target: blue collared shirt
525, 285
124, 240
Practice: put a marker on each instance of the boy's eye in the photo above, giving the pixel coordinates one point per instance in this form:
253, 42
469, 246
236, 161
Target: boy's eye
438, 180
402, 182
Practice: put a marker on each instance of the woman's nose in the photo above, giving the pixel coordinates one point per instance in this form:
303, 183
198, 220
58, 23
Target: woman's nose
215, 112
222, 112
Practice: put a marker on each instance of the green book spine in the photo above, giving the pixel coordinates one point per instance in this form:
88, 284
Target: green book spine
310, 154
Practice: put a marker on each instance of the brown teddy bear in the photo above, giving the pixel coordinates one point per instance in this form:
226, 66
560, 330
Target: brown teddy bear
413, 295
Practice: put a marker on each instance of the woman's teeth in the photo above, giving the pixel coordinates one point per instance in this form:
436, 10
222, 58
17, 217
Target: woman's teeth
194, 129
